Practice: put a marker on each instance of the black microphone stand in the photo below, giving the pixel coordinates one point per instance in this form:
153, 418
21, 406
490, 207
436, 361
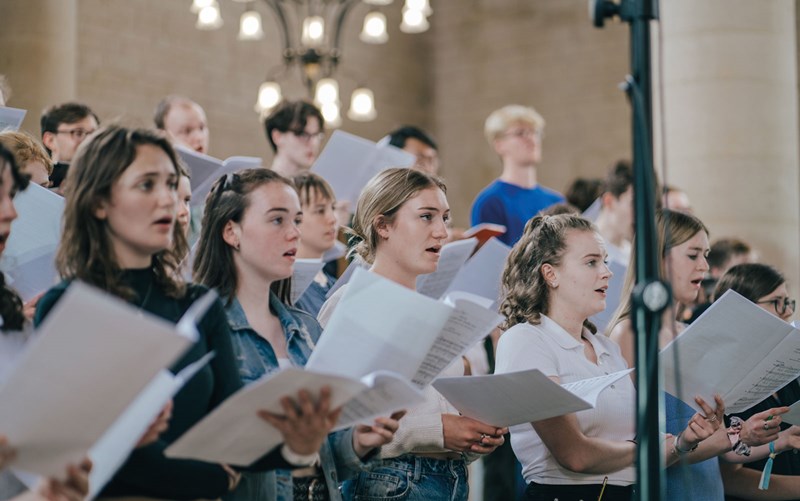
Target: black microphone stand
650, 297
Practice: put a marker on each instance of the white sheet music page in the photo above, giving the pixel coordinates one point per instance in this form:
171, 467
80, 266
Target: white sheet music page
234, 434
519, 397
452, 257
735, 349
304, 272
378, 325
480, 275
106, 362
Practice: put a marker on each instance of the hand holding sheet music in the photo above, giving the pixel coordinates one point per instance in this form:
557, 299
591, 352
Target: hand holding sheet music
234, 433
41, 415
734, 349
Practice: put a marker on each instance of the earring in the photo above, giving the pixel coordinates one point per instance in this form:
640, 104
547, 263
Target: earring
554, 285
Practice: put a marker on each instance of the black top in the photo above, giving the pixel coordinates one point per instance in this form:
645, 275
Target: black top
786, 463
147, 472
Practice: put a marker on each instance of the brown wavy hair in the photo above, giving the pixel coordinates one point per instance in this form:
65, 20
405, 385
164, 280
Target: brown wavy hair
86, 252
228, 200
526, 296
383, 196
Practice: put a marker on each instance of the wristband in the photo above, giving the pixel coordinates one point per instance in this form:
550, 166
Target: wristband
296, 459
676, 449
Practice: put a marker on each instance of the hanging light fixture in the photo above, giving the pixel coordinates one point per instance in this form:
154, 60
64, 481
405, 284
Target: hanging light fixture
362, 105
250, 26
314, 45
198, 5
209, 18
269, 96
374, 30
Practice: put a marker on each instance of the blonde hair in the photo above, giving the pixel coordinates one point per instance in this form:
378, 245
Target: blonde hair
26, 149
674, 228
500, 120
544, 241
383, 196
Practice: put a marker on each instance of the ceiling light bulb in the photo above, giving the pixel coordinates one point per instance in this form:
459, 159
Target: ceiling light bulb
362, 105
423, 6
250, 26
330, 112
269, 95
313, 31
198, 5
327, 91
209, 18
374, 30
414, 21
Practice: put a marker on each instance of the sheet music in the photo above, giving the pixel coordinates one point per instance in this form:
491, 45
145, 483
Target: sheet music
29, 256
11, 118
378, 325
451, 258
355, 264
205, 170
386, 393
48, 425
348, 162
468, 324
735, 349
111, 451
519, 397
481, 274
234, 434
304, 272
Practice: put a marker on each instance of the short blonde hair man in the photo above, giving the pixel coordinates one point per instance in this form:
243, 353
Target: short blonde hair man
500, 120
515, 134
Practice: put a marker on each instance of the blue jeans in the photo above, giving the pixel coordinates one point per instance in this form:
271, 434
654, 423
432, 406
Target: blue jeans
410, 478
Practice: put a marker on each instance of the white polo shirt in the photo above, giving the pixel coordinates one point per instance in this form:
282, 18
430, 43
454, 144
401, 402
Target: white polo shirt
552, 350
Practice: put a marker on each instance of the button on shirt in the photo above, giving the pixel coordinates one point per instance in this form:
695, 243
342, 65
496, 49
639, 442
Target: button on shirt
552, 350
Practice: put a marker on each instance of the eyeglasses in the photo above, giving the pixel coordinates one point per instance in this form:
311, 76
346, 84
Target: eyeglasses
77, 134
524, 133
307, 136
780, 304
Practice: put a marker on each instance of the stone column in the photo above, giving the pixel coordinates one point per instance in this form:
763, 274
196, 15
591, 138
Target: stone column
39, 56
730, 95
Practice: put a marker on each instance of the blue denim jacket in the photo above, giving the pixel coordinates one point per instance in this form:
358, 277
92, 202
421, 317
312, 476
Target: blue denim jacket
255, 358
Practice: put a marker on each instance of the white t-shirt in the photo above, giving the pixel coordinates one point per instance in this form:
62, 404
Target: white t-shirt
552, 350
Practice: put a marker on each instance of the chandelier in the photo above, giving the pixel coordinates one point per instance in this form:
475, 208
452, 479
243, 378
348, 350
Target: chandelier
311, 34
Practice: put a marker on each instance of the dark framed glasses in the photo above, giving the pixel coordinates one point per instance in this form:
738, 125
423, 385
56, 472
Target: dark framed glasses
781, 304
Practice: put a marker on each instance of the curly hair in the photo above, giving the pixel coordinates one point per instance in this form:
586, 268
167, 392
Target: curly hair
525, 292
383, 196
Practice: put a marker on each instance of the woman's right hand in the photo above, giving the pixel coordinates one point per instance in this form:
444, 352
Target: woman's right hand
762, 428
7, 454
702, 425
74, 488
463, 434
304, 425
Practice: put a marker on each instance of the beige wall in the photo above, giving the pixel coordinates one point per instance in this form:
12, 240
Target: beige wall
731, 120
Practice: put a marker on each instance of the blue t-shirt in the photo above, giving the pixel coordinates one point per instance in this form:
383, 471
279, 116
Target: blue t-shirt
512, 206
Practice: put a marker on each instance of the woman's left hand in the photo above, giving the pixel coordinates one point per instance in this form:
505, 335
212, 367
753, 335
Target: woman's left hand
366, 438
